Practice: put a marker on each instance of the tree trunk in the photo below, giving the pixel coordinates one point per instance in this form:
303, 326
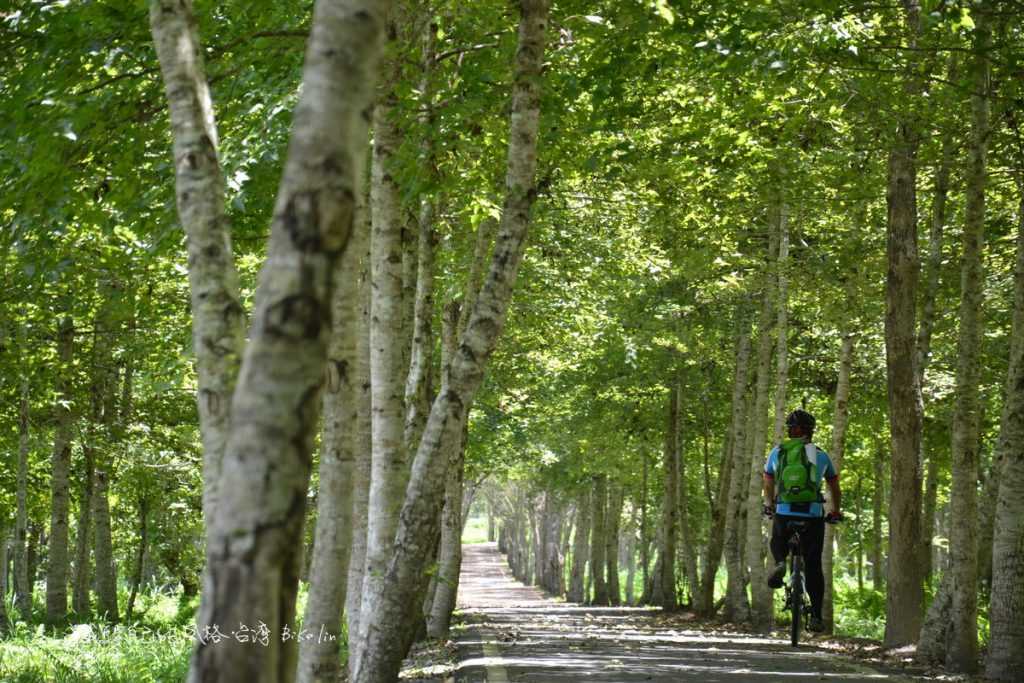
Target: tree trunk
139, 555
933, 268
962, 653
705, 599
666, 597
781, 330
611, 546
22, 586
254, 553
580, 549
450, 553
218, 319
82, 579
877, 497
5, 623
905, 593
840, 421
380, 657
387, 371
320, 657
107, 328
736, 605
106, 573
770, 326
551, 576
1006, 605
687, 541
363, 442
630, 554
57, 561
645, 560
598, 563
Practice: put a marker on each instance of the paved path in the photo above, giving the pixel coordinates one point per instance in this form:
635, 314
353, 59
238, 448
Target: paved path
511, 632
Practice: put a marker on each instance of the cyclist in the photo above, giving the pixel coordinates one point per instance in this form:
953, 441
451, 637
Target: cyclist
792, 488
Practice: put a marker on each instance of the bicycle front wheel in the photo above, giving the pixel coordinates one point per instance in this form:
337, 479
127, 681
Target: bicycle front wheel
797, 604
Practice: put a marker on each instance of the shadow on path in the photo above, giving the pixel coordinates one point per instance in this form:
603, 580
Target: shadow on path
512, 632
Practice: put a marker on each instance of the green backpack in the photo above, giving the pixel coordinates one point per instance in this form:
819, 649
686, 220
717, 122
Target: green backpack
797, 476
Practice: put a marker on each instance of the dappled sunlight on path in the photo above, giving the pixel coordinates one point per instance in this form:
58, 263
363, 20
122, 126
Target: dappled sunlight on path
512, 632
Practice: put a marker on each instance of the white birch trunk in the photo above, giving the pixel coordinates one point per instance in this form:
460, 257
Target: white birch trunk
388, 366
838, 448
253, 557
670, 505
905, 593
363, 441
60, 463
962, 652
320, 657
736, 604
611, 549
22, 586
1006, 641
598, 565
770, 325
781, 325
686, 532
580, 549
218, 320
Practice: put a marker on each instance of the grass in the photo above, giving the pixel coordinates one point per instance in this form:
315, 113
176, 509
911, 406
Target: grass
154, 648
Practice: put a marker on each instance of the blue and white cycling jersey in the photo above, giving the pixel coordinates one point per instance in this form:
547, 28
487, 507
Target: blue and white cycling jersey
826, 472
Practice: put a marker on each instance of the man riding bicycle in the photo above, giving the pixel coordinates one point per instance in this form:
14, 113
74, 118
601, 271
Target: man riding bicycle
793, 476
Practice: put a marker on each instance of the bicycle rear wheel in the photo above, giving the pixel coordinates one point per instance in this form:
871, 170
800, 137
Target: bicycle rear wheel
797, 601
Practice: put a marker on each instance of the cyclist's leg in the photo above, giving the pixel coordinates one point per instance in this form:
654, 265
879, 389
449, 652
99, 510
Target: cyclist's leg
780, 538
780, 548
812, 544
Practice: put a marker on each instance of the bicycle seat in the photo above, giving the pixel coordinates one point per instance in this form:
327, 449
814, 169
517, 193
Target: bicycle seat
797, 526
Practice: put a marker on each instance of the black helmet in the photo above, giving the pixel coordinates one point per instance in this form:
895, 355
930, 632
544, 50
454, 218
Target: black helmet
801, 418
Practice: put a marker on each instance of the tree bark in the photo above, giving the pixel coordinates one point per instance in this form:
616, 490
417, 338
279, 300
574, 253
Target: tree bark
598, 563
877, 498
218, 319
666, 596
781, 329
580, 549
81, 580
705, 600
687, 540
57, 562
736, 605
771, 325
380, 657
905, 593
387, 372
962, 652
450, 553
107, 327
320, 657
611, 545
1006, 641
140, 553
22, 585
363, 442
254, 553
840, 421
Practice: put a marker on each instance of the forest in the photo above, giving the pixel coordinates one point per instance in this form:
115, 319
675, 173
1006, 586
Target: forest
300, 303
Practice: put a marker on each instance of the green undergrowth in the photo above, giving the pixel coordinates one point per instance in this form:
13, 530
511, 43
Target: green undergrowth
153, 648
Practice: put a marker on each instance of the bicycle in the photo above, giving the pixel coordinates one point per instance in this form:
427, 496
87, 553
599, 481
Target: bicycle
797, 601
